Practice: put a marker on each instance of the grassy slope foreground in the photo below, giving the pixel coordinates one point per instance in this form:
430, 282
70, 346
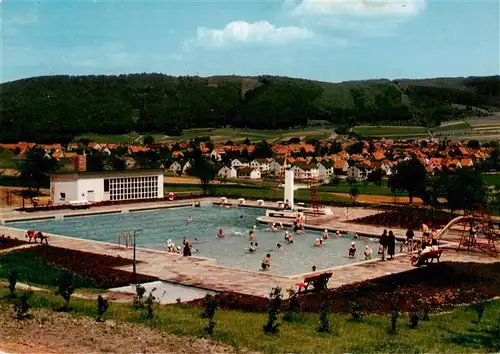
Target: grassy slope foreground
125, 330
68, 106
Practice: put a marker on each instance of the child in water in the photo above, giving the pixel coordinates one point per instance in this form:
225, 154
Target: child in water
221, 234
325, 235
368, 253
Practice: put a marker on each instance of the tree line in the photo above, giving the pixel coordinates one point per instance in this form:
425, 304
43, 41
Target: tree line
58, 108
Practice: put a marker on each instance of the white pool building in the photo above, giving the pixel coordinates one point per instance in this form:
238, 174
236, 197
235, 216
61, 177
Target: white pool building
91, 187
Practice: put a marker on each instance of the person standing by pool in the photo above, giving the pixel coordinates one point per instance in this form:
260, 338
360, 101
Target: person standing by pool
409, 240
391, 245
266, 262
383, 244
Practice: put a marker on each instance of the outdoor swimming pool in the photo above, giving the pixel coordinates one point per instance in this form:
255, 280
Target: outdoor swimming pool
162, 224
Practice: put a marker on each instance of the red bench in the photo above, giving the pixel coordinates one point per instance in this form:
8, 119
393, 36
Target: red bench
424, 258
317, 281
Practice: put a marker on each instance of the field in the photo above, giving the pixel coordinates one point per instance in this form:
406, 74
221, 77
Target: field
390, 131
448, 332
220, 135
6, 159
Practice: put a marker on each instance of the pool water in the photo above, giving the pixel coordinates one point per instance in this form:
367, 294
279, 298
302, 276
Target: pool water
162, 224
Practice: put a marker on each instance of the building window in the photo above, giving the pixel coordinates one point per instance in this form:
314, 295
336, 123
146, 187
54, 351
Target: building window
62, 196
128, 188
106, 185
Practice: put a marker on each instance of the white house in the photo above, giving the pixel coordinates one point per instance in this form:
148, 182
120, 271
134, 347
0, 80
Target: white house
186, 166
357, 172
340, 166
227, 172
83, 186
261, 164
216, 154
239, 163
248, 172
175, 167
275, 166
304, 171
325, 171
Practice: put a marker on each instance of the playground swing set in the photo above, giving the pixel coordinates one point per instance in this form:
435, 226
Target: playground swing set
479, 232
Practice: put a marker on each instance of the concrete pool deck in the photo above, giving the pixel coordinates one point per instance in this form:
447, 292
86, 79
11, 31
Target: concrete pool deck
199, 272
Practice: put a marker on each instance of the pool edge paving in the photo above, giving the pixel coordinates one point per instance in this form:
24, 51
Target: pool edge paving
200, 274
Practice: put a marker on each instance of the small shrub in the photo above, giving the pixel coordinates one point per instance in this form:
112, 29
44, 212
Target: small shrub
138, 302
394, 322
414, 318
480, 305
102, 307
324, 322
275, 301
178, 301
211, 305
425, 311
66, 288
293, 306
356, 312
149, 305
21, 307
12, 277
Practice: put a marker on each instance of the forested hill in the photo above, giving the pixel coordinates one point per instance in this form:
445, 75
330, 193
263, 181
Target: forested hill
57, 108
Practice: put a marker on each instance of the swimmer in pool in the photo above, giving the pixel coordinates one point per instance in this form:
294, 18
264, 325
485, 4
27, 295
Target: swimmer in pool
251, 235
337, 234
352, 250
318, 242
288, 237
252, 248
266, 262
221, 234
189, 219
368, 253
325, 235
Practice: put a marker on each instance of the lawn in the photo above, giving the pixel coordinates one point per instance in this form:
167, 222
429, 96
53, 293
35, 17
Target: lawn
449, 128
452, 332
389, 131
492, 179
110, 138
7, 159
364, 188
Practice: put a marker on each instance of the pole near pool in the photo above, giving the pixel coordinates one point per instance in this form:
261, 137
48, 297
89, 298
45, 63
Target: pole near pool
134, 268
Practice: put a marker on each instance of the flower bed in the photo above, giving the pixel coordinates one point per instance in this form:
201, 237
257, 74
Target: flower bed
7, 242
443, 285
407, 218
95, 267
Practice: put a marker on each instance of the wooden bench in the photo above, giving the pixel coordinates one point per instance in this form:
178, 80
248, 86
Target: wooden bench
317, 281
424, 258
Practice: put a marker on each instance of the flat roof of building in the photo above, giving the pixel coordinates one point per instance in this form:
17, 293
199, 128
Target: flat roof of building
108, 171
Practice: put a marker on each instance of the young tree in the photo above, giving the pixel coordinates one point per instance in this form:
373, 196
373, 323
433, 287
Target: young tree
410, 176
148, 139
354, 193
204, 169
376, 177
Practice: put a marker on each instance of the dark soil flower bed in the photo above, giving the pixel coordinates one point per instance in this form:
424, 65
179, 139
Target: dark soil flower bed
95, 267
7, 242
442, 285
407, 219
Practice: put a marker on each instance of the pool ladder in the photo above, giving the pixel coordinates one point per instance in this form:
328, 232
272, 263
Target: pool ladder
127, 238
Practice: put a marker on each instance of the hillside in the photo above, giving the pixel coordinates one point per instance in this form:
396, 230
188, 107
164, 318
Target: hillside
58, 108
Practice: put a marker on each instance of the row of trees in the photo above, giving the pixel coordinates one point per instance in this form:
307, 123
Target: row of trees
58, 108
463, 189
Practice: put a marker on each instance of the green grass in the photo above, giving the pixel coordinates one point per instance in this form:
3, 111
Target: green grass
452, 127
492, 179
389, 131
219, 135
368, 188
35, 271
7, 159
453, 332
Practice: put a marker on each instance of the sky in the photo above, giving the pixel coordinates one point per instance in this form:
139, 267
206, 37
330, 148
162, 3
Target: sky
328, 40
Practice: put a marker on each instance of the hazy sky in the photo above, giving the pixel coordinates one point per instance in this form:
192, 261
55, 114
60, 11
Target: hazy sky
328, 40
